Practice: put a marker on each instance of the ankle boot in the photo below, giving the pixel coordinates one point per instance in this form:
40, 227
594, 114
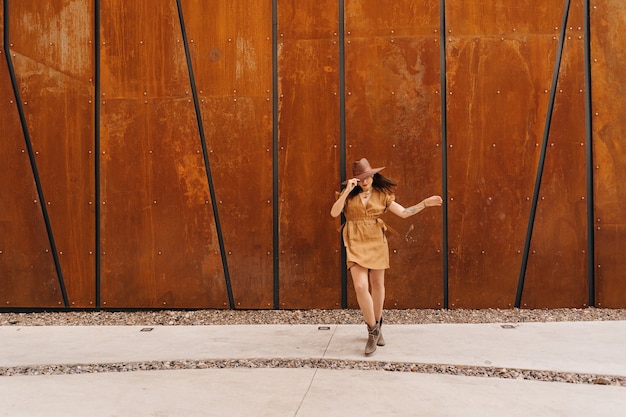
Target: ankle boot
372, 338
381, 340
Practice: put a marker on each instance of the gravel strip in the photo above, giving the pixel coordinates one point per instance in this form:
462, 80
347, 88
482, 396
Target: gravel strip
348, 316
488, 372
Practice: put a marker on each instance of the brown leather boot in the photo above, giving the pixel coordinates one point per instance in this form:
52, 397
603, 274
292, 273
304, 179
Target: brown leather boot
381, 340
372, 339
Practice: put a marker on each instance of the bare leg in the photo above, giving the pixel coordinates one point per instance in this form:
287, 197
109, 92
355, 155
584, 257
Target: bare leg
360, 278
377, 279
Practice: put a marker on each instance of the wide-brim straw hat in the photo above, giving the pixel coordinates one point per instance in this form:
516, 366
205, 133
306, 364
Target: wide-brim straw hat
362, 169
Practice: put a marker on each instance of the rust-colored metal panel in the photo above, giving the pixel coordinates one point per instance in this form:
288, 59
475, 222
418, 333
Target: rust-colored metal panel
232, 60
57, 94
27, 274
159, 241
503, 18
393, 119
557, 266
608, 47
159, 246
58, 34
495, 119
369, 18
308, 155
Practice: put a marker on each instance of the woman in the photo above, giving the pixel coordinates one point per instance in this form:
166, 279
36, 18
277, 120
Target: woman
366, 197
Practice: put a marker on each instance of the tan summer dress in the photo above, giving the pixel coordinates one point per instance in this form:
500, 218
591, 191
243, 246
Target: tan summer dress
364, 231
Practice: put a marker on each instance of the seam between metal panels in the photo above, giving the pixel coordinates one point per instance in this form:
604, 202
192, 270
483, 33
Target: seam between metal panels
275, 166
542, 157
589, 159
205, 154
31, 155
97, 166
444, 148
342, 142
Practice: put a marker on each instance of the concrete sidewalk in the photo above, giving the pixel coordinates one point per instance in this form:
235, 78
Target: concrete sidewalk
570, 347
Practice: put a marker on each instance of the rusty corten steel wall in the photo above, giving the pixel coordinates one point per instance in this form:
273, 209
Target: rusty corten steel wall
185, 154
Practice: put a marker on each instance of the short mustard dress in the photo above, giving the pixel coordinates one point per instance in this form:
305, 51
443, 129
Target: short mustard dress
364, 231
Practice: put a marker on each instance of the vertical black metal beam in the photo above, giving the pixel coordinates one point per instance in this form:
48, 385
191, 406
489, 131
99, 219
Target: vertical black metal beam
275, 166
542, 157
589, 159
97, 89
31, 153
342, 139
205, 154
444, 146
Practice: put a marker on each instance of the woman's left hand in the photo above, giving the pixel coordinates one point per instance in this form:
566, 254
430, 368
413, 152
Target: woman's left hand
433, 201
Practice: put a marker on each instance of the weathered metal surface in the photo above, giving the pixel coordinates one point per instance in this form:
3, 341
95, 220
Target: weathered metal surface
160, 245
609, 135
557, 268
308, 156
159, 241
55, 76
232, 64
497, 99
27, 274
393, 119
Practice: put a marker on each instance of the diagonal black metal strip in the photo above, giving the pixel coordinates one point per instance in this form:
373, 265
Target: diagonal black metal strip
275, 166
542, 157
589, 159
205, 153
31, 154
444, 147
342, 140
97, 188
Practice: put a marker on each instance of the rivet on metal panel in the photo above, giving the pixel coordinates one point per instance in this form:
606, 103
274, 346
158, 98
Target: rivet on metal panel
395, 251
26, 102
90, 203
519, 251
61, 253
498, 91
91, 252
451, 198
392, 31
49, 203
391, 41
534, 252
150, 151
191, 41
47, 250
104, 102
393, 93
493, 145
482, 251
140, 42
104, 202
450, 145
348, 42
35, 201
154, 201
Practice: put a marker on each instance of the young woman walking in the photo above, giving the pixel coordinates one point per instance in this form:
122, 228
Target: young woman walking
366, 197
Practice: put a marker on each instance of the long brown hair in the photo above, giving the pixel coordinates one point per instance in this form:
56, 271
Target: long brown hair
379, 182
